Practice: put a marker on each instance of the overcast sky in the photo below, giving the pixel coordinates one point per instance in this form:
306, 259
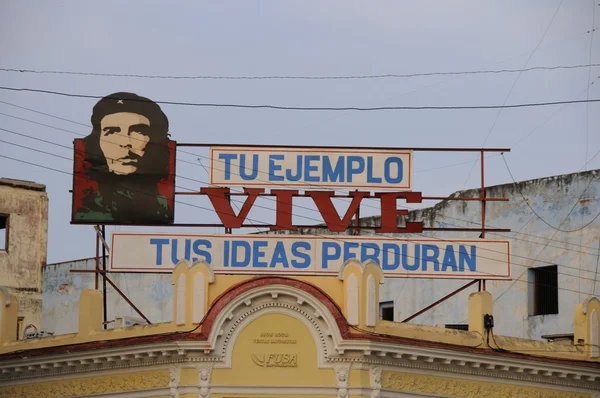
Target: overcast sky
317, 38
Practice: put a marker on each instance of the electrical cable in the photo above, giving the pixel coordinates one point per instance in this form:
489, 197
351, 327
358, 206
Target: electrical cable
197, 156
315, 108
513, 87
270, 209
332, 237
540, 217
297, 77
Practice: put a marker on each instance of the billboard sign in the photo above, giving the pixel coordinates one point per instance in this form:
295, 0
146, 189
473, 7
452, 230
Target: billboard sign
306, 168
124, 170
312, 255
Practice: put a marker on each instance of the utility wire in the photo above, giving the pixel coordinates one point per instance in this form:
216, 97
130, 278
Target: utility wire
540, 217
332, 236
262, 172
315, 108
587, 107
295, 77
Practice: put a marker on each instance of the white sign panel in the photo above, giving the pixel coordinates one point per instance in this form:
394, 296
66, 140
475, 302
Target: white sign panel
369, 169
312, 255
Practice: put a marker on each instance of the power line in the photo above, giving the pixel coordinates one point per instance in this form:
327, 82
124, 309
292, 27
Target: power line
316, 108
262, 172
540, 217
295, 77
323, 235
513, 87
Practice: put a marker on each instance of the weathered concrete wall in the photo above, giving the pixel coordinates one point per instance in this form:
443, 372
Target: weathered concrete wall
152, 293
26, 204
563, 201
566, 202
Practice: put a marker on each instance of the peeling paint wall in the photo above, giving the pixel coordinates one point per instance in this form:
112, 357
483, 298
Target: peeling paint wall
26, 205
564, 201
152, 293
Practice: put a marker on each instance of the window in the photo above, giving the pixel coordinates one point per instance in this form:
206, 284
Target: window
543, 290
3, 232
386, 311
457, 326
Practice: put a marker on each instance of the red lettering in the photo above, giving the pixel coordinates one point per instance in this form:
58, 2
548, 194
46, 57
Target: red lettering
330, 215
283, 210
220, 201
389, 212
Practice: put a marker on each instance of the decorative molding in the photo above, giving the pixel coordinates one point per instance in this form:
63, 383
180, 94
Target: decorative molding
174, 378
375, 376
91, 385
454, 387
372, 305
341, 378
352, 300
594, 339
204, 373
181, 300
199, 298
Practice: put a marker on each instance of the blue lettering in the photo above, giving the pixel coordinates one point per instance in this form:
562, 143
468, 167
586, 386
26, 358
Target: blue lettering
370, 178
253, 170
364, 256
274, 167
187, 249
431, 258
174, 255
296, 246
347, 247
197, 250
279, 256
298, 175
226, 253
387, 172
258, 245
245, 259
449, 259
326, 255
336, 175
308, 168
390, 250
417, 258
227, 158
159, 244
464, 258
352, 169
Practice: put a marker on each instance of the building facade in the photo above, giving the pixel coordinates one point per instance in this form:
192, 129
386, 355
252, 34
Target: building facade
270, 336
552, 271
23, 245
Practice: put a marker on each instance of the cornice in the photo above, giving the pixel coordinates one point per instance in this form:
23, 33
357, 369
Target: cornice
334, 350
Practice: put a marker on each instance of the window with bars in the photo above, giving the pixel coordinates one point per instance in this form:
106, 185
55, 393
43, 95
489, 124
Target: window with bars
386, 311
3, 232
543, 296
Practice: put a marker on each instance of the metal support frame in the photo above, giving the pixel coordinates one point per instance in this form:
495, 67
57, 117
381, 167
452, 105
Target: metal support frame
101, 236
440, 301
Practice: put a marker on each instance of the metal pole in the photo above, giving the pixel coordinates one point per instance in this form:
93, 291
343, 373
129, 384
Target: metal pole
482, 194
97, 259
104, 279
357, 221
439, 301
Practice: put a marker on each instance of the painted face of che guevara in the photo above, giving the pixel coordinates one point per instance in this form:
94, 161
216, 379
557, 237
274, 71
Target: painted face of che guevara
123, 140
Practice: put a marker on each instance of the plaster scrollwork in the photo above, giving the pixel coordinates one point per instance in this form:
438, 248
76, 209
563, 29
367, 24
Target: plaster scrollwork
174, 373
372, 305
342, 373
204, 372
375, 375
352, 299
